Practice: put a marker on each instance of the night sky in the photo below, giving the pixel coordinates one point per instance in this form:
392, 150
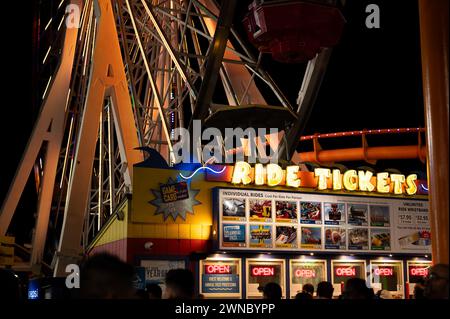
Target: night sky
373, 81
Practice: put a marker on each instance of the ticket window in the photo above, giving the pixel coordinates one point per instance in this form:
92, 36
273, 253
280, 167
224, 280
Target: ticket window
260, 272
306, 272
416, 272
342, 271
221, 278
387, 275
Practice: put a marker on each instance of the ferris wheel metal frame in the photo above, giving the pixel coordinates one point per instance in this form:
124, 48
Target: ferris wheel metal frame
124, 80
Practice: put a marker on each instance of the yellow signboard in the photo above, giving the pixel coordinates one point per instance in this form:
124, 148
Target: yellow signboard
7, 250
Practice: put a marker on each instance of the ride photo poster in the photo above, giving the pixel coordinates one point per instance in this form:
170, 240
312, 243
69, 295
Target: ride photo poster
293, 221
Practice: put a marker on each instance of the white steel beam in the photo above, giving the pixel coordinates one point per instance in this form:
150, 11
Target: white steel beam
49, 128
107, 79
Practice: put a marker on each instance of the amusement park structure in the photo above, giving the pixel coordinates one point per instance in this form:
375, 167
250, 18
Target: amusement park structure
133, 72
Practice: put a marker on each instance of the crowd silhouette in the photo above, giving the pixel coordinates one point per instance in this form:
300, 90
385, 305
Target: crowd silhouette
104, 276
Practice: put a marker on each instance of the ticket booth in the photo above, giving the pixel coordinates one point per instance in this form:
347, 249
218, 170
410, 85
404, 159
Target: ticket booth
306, 272
387, 275
221, 278
416, 271
343, 270
262, 271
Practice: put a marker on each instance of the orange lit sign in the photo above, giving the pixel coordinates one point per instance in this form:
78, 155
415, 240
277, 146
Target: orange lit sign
324, 179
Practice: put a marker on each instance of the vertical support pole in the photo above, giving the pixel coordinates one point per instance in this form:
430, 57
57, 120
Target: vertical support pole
433, 15
100, 171
111, 160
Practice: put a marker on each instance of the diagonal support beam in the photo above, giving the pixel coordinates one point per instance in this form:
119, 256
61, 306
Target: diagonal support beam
49, 129
169, 49
156, 96
214, 60
107, 79
307, 96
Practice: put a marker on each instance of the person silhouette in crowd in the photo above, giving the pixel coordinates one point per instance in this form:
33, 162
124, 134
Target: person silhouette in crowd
436, 283
325, 290
104, 276
154, 291
303, 296
179, 284
308, 288
419, 289
356, 288
272, 291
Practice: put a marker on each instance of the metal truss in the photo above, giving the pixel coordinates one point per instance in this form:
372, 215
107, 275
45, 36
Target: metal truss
128, 77
165, 46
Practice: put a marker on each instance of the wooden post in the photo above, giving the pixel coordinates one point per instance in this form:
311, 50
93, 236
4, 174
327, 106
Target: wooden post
433, 15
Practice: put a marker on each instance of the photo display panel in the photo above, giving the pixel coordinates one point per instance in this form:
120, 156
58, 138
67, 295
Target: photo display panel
293, 221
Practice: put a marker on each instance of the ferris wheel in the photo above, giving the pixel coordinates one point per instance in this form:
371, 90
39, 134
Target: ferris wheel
130, 72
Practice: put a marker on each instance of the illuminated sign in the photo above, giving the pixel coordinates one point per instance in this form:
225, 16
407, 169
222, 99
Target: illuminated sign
418, 271
345, 271
351, 180
263, 271
384, 271
33, 294
305, 273
217, 269
174, 192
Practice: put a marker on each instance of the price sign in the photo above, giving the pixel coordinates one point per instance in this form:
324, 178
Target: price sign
405, 219
422, 219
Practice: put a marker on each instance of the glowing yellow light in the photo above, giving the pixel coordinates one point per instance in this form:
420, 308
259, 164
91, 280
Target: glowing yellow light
61, 22
259, 174
48, 24
350, 180
241, 173
382, 184
292, 179
364, 181
411, 188
46, 55
46, 88
274, 174
323, 174
337, 180
398, 180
